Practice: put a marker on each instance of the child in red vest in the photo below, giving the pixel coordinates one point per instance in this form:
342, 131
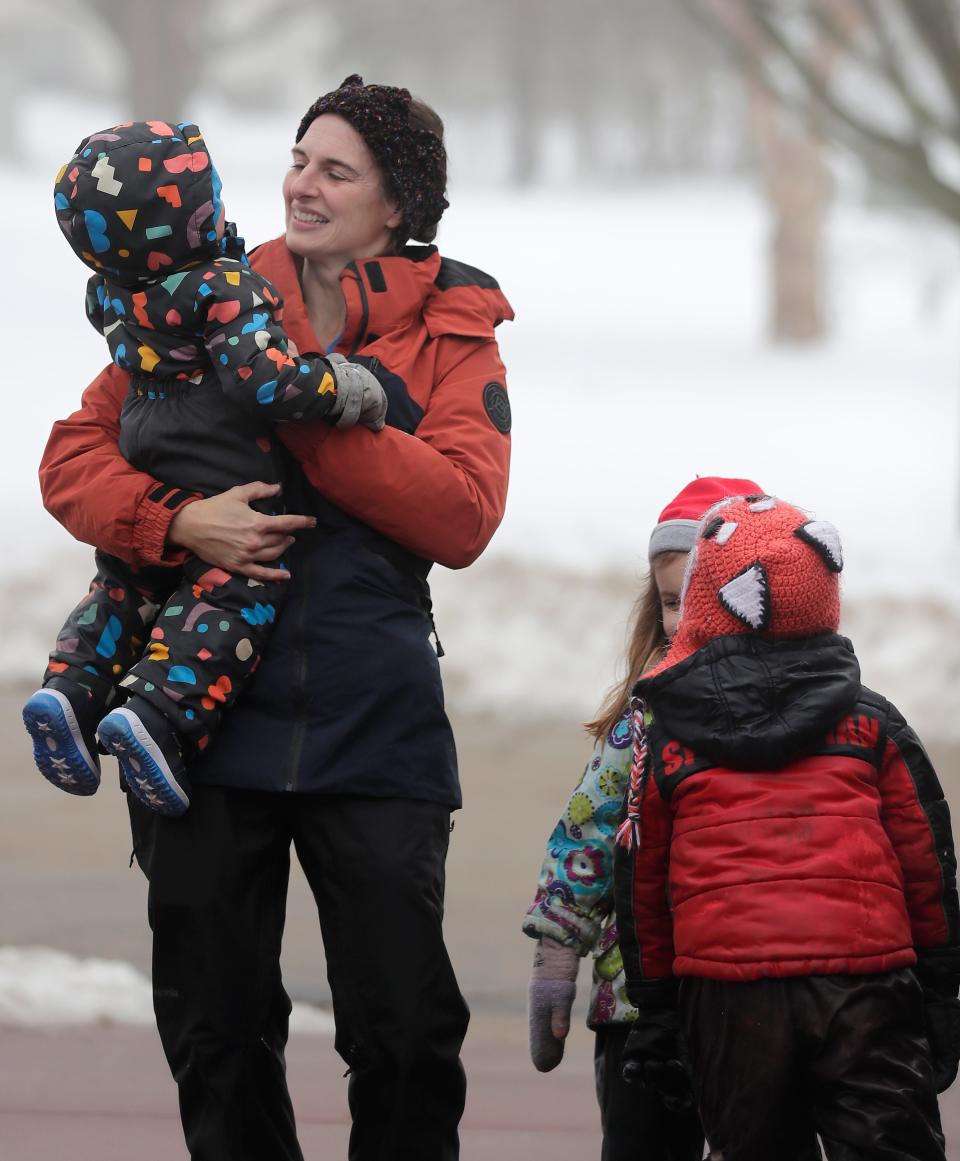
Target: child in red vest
785, 880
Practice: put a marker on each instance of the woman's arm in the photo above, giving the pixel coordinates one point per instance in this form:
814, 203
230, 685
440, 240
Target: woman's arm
99, 498
91, 489
440, 493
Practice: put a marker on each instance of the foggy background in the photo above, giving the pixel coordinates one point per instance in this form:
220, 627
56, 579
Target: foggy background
731, 241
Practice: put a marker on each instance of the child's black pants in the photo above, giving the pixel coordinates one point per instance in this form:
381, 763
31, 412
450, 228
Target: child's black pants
847, 1051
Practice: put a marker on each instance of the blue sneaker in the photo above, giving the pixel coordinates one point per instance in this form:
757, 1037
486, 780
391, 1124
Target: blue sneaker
59, 750
150, 771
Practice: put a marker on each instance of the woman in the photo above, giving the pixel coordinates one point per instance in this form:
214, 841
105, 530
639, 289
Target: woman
340, 745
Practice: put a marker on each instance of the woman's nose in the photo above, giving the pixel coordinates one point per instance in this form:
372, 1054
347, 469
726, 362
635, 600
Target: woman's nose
304, 183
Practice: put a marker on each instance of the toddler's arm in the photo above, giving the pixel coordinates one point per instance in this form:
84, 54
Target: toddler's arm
248, 347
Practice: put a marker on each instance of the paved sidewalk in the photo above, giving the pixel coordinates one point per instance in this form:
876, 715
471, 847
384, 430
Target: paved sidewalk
103, 1094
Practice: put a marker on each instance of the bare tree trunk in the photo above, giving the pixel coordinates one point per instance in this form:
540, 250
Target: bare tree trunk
797, 184
522, 92
162, 42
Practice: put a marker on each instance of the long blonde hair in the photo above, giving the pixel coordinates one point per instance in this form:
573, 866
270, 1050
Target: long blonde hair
646, 643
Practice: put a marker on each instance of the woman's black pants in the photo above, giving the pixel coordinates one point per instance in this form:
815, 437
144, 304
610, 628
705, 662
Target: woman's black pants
217, 899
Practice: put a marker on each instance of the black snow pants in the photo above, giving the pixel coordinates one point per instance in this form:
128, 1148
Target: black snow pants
637, 1126
217, 899
846, 1054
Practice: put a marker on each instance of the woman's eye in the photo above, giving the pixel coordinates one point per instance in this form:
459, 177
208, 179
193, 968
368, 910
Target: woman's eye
296, 165
337, 176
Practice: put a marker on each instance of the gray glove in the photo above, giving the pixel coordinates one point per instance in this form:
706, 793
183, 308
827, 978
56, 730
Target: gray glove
360, 398
553, 984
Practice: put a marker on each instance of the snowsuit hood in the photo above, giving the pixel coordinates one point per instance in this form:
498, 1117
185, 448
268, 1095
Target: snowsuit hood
749, 703
140, 201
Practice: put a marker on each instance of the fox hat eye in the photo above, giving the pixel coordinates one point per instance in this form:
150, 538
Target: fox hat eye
824, 539
747, 597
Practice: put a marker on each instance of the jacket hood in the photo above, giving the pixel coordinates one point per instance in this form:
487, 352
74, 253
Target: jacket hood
140, 201
751, 703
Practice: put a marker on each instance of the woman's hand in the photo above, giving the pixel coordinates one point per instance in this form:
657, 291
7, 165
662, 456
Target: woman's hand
225, 531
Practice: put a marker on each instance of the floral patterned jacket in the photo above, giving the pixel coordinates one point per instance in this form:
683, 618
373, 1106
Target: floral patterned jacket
574, 901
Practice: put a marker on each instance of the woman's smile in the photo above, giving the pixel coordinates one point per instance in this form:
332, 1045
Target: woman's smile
306, 218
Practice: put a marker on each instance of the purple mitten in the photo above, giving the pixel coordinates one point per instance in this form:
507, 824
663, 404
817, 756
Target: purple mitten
553, 984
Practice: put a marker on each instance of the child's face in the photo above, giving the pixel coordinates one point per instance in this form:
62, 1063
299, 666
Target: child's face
221, 221
668, 570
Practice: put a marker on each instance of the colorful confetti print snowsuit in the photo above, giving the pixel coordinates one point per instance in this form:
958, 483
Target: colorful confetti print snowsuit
200, 334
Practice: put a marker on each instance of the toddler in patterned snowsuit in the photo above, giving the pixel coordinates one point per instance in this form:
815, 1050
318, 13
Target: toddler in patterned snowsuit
210, 369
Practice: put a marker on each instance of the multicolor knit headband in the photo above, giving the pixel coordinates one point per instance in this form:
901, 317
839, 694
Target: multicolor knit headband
413, 160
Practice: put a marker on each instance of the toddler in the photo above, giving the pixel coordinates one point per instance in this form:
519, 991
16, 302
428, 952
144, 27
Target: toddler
200, 335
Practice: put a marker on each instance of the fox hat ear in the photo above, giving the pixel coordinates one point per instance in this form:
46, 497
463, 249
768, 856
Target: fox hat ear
824, 539
747, 597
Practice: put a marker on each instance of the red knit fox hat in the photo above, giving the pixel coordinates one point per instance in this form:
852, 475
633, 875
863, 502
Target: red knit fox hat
759, 565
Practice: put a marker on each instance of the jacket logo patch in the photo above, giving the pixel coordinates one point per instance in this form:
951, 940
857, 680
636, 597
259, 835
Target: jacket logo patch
856, 730
497, 406
675, 756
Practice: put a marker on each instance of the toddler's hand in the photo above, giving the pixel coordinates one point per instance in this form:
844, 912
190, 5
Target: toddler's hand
360, 397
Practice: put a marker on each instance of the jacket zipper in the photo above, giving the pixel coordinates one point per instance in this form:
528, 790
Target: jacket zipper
300, 683
364, 314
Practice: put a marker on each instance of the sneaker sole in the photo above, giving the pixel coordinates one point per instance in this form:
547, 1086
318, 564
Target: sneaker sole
59, 750
142, 764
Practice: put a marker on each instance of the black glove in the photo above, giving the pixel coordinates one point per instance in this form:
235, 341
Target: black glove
654, 1057
941, 1015
939, 976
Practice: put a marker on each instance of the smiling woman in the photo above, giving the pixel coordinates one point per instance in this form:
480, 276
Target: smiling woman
337, 211
340, 744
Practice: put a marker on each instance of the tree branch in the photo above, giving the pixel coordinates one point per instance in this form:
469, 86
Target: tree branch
925, 120
909, 157
933, 21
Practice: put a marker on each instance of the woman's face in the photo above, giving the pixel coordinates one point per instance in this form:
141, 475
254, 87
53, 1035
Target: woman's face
333, 193
668, 569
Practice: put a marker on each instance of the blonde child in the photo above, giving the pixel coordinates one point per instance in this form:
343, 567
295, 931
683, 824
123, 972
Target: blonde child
572, 915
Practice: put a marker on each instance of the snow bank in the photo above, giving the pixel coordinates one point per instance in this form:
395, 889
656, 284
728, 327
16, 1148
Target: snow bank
40, 986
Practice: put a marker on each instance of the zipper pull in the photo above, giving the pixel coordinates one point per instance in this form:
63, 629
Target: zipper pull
436, 636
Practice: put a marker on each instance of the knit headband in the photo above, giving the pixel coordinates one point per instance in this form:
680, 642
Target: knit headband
413, 161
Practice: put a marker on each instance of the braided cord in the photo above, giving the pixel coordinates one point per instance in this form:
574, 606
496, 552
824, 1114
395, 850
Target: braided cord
628, 833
